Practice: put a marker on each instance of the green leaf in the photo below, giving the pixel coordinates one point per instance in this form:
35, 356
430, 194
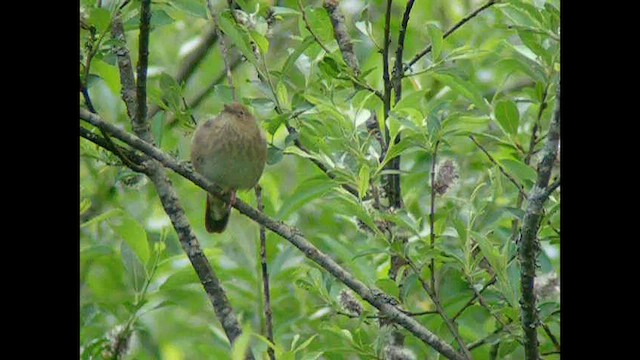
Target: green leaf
329, 67
464, 88
279, 10
519, 170
160, 18
274, 155
238, 37
134, 235
100, 18
261, 41
306, 192
109, 73
389, 287
241, 345
296, 54
411, 100
436, 40
363, 180
192, 7
395, 150
320, 24
506, 112
180, 278
283, 97
305, 343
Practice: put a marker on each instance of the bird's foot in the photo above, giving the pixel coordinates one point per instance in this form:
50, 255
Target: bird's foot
232, 199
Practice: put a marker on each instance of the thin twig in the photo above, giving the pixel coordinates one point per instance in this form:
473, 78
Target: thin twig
551, 337
385, 74
392, 185
373, 296
397, 73
308, 27
492, 281
451, 31
432, 215
436, 301
502, 170
140, 125
265, 277
551, 189
223, 48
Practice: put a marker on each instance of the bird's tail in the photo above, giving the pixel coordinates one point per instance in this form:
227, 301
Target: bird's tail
216, 215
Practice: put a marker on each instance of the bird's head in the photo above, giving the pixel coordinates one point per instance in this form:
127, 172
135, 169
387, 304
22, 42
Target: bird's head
238, 110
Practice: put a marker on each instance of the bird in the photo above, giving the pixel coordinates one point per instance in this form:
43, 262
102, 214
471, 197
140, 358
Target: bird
229, 150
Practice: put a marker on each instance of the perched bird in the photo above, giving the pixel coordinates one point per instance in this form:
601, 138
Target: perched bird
230, 150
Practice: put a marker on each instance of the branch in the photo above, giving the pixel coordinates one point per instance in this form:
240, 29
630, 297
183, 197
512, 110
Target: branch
451, 31
529, 246
373, 296
551, 188
342, 35
551, 337
502, 170
195, 57
140, 125
392, 185
397, 73
127, 79
265, 277
385, 74
157, 174
204, 93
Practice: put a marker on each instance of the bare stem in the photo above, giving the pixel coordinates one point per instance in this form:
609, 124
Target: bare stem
265, 276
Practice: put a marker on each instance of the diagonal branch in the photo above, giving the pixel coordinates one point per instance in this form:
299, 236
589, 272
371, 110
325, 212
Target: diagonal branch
502, 170
529, 246
451, 31
373, 296
192, 61
430, 290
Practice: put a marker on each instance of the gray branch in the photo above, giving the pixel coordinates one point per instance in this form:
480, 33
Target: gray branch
137, 110
529, 246
341, 34
373, 296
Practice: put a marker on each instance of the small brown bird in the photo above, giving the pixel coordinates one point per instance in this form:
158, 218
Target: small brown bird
230, 150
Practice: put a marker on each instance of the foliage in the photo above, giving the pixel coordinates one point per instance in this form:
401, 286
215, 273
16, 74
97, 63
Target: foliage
494, 79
